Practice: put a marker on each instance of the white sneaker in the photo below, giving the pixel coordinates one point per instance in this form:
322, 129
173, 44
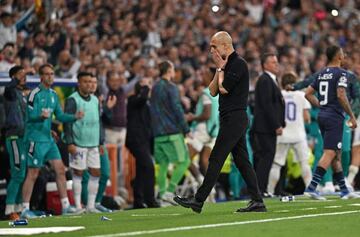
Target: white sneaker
328, 188
349, 186
101, 208
169, 198
349, 195
314, 195
18, 207
71, 210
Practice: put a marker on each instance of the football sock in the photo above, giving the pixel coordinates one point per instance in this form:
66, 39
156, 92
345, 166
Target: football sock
92, 189
77, 190
353, 170
340, 180
319, 173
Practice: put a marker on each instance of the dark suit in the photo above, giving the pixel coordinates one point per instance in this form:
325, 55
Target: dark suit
269, 114
139, 142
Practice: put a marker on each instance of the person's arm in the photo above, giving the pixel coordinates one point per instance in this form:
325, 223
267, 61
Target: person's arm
305, 83
102, 130
60, 115
127, 88
174, 100
205, 115
306, 115
309, 95
70, 108
355, 93
23, 20
139, 99
34, 113
222, 90
344, 102
10, 90
214, 85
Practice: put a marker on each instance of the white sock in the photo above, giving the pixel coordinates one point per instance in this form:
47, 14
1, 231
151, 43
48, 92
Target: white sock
93, 186
26, 205
274, 177
353, 170
10, 208
65, 203
77, 190
18, 207
306, 173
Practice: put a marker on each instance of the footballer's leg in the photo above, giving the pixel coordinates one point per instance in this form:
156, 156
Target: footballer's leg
279, 161
93, 164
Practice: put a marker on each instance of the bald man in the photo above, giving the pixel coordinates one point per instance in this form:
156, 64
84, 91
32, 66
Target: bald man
231, 83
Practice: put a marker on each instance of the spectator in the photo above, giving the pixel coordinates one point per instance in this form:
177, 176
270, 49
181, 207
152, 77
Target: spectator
7, 29
139, 141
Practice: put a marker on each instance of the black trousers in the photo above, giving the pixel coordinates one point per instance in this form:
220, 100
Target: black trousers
231, 138
264, 147
144, 182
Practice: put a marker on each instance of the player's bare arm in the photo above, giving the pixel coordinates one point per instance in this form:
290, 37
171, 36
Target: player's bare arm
342, 98
214, 85
306, 115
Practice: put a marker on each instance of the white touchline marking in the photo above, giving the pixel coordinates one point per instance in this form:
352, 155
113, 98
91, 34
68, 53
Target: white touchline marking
171, 214
330, 207
308, 208
282, 211
144, 232
355, 204
315, 201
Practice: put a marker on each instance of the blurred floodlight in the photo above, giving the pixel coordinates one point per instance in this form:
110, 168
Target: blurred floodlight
334, 12
215, 8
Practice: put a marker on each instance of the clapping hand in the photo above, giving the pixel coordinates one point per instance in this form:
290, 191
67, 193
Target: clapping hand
79, 115
111, 101
45, 113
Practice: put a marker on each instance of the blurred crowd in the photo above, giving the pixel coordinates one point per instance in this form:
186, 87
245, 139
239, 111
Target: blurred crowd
120, 41
130, 37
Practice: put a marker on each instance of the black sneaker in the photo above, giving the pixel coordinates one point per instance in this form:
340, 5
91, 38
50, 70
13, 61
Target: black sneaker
190, 202
253, 206
153, 204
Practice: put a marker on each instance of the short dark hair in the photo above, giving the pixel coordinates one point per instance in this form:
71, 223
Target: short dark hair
331, 52
5, 14
42, 67
288, 78
265, 56
8, 44
164, 67
84, 74
135, 60
15, 69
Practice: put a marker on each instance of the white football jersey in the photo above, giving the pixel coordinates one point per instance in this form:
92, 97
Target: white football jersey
295, 103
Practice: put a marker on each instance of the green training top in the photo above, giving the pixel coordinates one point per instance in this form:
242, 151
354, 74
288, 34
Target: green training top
38, 129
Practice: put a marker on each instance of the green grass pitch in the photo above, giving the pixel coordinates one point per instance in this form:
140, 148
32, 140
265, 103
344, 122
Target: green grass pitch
301, 218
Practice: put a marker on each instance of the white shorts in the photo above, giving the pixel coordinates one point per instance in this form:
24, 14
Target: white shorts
113, 136
201, 138
85, 158
356, 139
301, 150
